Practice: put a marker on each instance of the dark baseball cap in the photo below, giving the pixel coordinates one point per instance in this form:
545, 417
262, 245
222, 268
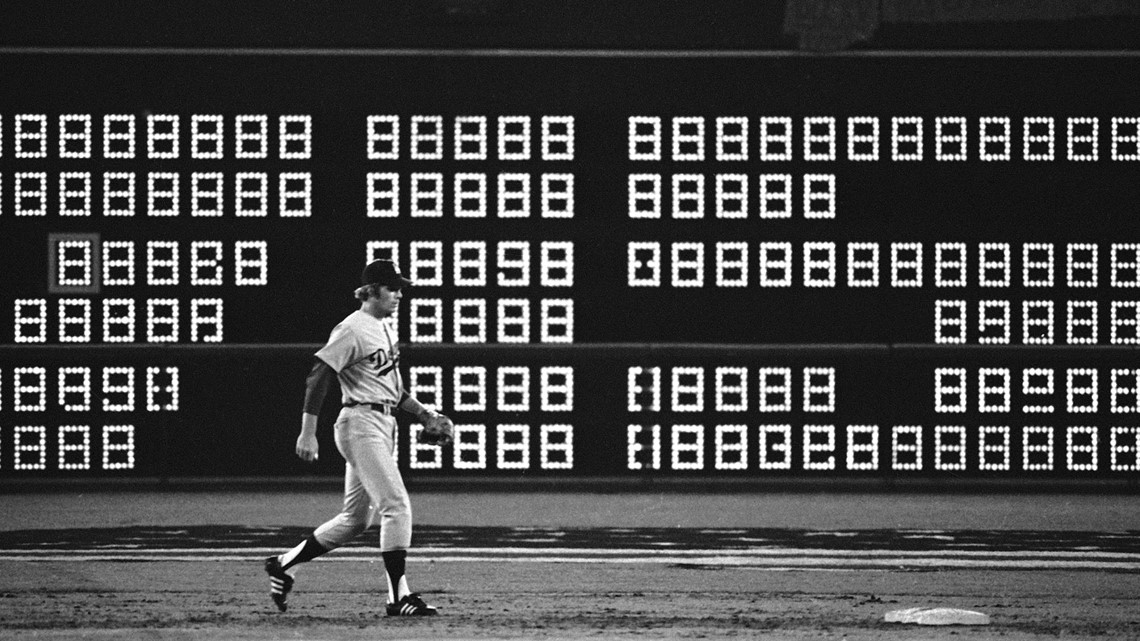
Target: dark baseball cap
383, 272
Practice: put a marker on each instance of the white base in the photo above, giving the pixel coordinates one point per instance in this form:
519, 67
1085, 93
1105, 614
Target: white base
937, 616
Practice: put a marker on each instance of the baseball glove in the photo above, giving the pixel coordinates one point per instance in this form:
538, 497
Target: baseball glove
438, 429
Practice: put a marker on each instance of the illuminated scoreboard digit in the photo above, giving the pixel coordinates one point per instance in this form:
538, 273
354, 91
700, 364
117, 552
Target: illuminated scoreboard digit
80, 419
474, 391
1065, 281
1057, 416
738, 266
733, 392
110, 260
509, 145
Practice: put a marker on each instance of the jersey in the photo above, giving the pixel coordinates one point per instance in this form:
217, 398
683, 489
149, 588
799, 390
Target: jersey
366, 359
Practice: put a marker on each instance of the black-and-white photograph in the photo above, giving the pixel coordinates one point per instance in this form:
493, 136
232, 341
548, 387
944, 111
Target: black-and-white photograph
559, 320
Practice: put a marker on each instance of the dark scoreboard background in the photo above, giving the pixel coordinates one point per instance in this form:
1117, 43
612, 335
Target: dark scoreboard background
631, 265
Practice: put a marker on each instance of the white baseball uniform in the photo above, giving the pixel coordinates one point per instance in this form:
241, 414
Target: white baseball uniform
366, 359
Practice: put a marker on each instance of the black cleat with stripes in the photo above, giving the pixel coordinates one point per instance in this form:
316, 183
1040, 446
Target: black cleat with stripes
411, 605
280, 583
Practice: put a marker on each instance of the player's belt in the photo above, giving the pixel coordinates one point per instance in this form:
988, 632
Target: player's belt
384, 408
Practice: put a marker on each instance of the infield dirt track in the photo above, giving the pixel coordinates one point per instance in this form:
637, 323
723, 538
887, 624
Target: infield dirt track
338, 597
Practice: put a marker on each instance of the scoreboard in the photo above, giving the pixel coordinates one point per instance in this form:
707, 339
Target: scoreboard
631, 265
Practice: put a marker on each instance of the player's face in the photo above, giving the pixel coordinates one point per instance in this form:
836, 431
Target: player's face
389, 300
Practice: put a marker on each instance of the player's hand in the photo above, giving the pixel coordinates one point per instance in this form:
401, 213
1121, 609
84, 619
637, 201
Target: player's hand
438, 429
307, 448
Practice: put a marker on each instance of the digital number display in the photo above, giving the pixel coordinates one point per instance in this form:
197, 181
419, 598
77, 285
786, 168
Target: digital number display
595, 411
667, 264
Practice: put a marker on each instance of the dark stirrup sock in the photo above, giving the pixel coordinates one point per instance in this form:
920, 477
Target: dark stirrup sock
394, 564
310, 550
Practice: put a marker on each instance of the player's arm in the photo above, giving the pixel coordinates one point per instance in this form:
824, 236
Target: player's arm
411, 405
316, 388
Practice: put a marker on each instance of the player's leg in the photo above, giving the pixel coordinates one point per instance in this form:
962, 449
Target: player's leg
353, 516
381, 477
281, 572
305, 551
342, 528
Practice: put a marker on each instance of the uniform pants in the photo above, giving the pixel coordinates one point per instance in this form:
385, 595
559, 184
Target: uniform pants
366, 440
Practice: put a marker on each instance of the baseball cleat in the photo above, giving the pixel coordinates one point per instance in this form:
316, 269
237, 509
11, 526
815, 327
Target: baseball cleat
280, 583
411, 605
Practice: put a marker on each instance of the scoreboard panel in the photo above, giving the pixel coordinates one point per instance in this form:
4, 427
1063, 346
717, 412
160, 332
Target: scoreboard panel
625, 264
592, 411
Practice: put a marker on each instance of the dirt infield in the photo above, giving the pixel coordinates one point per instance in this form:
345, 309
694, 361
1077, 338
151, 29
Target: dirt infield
339, 600
338, 597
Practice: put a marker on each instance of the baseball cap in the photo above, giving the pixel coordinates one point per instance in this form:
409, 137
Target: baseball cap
383, 272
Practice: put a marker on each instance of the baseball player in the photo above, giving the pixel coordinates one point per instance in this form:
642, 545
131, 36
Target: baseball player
362, 355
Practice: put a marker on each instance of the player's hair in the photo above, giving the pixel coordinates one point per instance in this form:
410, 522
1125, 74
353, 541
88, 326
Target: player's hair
367, 291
